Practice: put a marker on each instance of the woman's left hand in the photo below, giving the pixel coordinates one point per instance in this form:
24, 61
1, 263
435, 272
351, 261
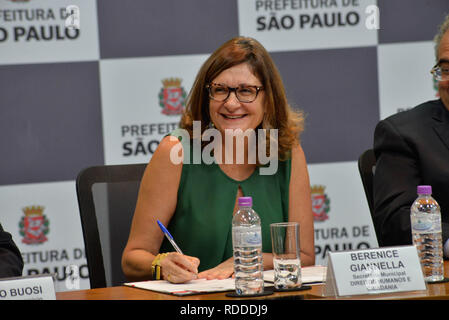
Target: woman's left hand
222, 271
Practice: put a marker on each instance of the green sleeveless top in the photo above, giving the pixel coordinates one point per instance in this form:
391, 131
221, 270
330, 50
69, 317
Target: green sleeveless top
201, 224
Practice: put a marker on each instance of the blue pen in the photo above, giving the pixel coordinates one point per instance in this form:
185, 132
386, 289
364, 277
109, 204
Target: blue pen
169, 237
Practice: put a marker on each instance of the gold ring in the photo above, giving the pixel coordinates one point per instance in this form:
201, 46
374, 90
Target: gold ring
168, 278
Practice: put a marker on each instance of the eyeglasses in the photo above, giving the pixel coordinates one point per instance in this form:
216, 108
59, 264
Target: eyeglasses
245, 94
440, 73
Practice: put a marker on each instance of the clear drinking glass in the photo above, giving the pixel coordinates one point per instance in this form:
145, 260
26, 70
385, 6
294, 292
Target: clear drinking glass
286, 255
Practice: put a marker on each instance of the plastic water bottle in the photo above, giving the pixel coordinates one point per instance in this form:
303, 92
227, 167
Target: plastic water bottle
425, 219
247, 244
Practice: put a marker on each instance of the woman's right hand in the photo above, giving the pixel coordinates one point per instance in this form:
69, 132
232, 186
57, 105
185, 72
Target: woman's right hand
179, 268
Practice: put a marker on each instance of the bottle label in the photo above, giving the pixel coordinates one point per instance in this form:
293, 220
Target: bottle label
424, 223
247, 237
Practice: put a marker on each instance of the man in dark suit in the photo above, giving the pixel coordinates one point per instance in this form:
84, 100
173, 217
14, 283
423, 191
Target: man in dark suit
11, 262
412, 148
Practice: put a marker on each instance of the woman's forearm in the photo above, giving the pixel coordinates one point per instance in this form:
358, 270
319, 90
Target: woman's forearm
136, 265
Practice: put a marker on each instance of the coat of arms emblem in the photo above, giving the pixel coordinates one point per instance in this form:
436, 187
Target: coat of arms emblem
320, 203
172, 97
34, 225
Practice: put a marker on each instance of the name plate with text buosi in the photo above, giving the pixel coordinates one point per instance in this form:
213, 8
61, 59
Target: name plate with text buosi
40, 287
374, 271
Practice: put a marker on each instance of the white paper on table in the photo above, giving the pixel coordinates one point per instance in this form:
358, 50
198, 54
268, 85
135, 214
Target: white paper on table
309, 275
315, 274
181, 289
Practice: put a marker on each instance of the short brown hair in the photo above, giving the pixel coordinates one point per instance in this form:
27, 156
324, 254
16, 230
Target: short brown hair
278, 113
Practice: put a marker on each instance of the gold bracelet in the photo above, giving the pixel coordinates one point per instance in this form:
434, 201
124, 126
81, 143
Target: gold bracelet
156, 266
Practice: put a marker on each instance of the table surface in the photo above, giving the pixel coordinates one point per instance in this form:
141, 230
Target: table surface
434, 291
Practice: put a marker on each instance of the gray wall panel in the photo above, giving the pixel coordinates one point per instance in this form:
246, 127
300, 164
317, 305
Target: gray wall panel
164, 27
50, 120
410, 20
338, 91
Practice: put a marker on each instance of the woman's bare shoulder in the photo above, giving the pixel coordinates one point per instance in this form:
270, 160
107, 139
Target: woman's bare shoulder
166, 162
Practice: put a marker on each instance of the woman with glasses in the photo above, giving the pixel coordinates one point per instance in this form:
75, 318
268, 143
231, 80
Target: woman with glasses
237, 94
412, 148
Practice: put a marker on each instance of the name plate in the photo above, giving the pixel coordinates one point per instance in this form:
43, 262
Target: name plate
374, 271
28, 288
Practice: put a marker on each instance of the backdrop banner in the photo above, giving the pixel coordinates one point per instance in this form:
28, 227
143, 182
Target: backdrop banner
87, 83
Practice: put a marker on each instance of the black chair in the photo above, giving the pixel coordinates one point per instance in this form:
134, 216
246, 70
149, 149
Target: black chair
367, 167
107, 198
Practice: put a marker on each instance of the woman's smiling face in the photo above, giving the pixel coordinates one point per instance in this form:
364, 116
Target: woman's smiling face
231, 113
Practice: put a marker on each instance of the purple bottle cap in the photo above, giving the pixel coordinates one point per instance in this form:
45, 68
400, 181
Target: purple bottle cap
424, 189
245, 202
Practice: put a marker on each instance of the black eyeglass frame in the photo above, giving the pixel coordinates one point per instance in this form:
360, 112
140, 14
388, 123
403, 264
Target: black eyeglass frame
233, 89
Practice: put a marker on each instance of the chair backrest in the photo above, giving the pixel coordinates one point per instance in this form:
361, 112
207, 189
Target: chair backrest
367, 166
107, 198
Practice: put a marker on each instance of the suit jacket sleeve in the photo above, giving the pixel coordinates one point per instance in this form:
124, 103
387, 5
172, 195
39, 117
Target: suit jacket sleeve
394, 185
11, 262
